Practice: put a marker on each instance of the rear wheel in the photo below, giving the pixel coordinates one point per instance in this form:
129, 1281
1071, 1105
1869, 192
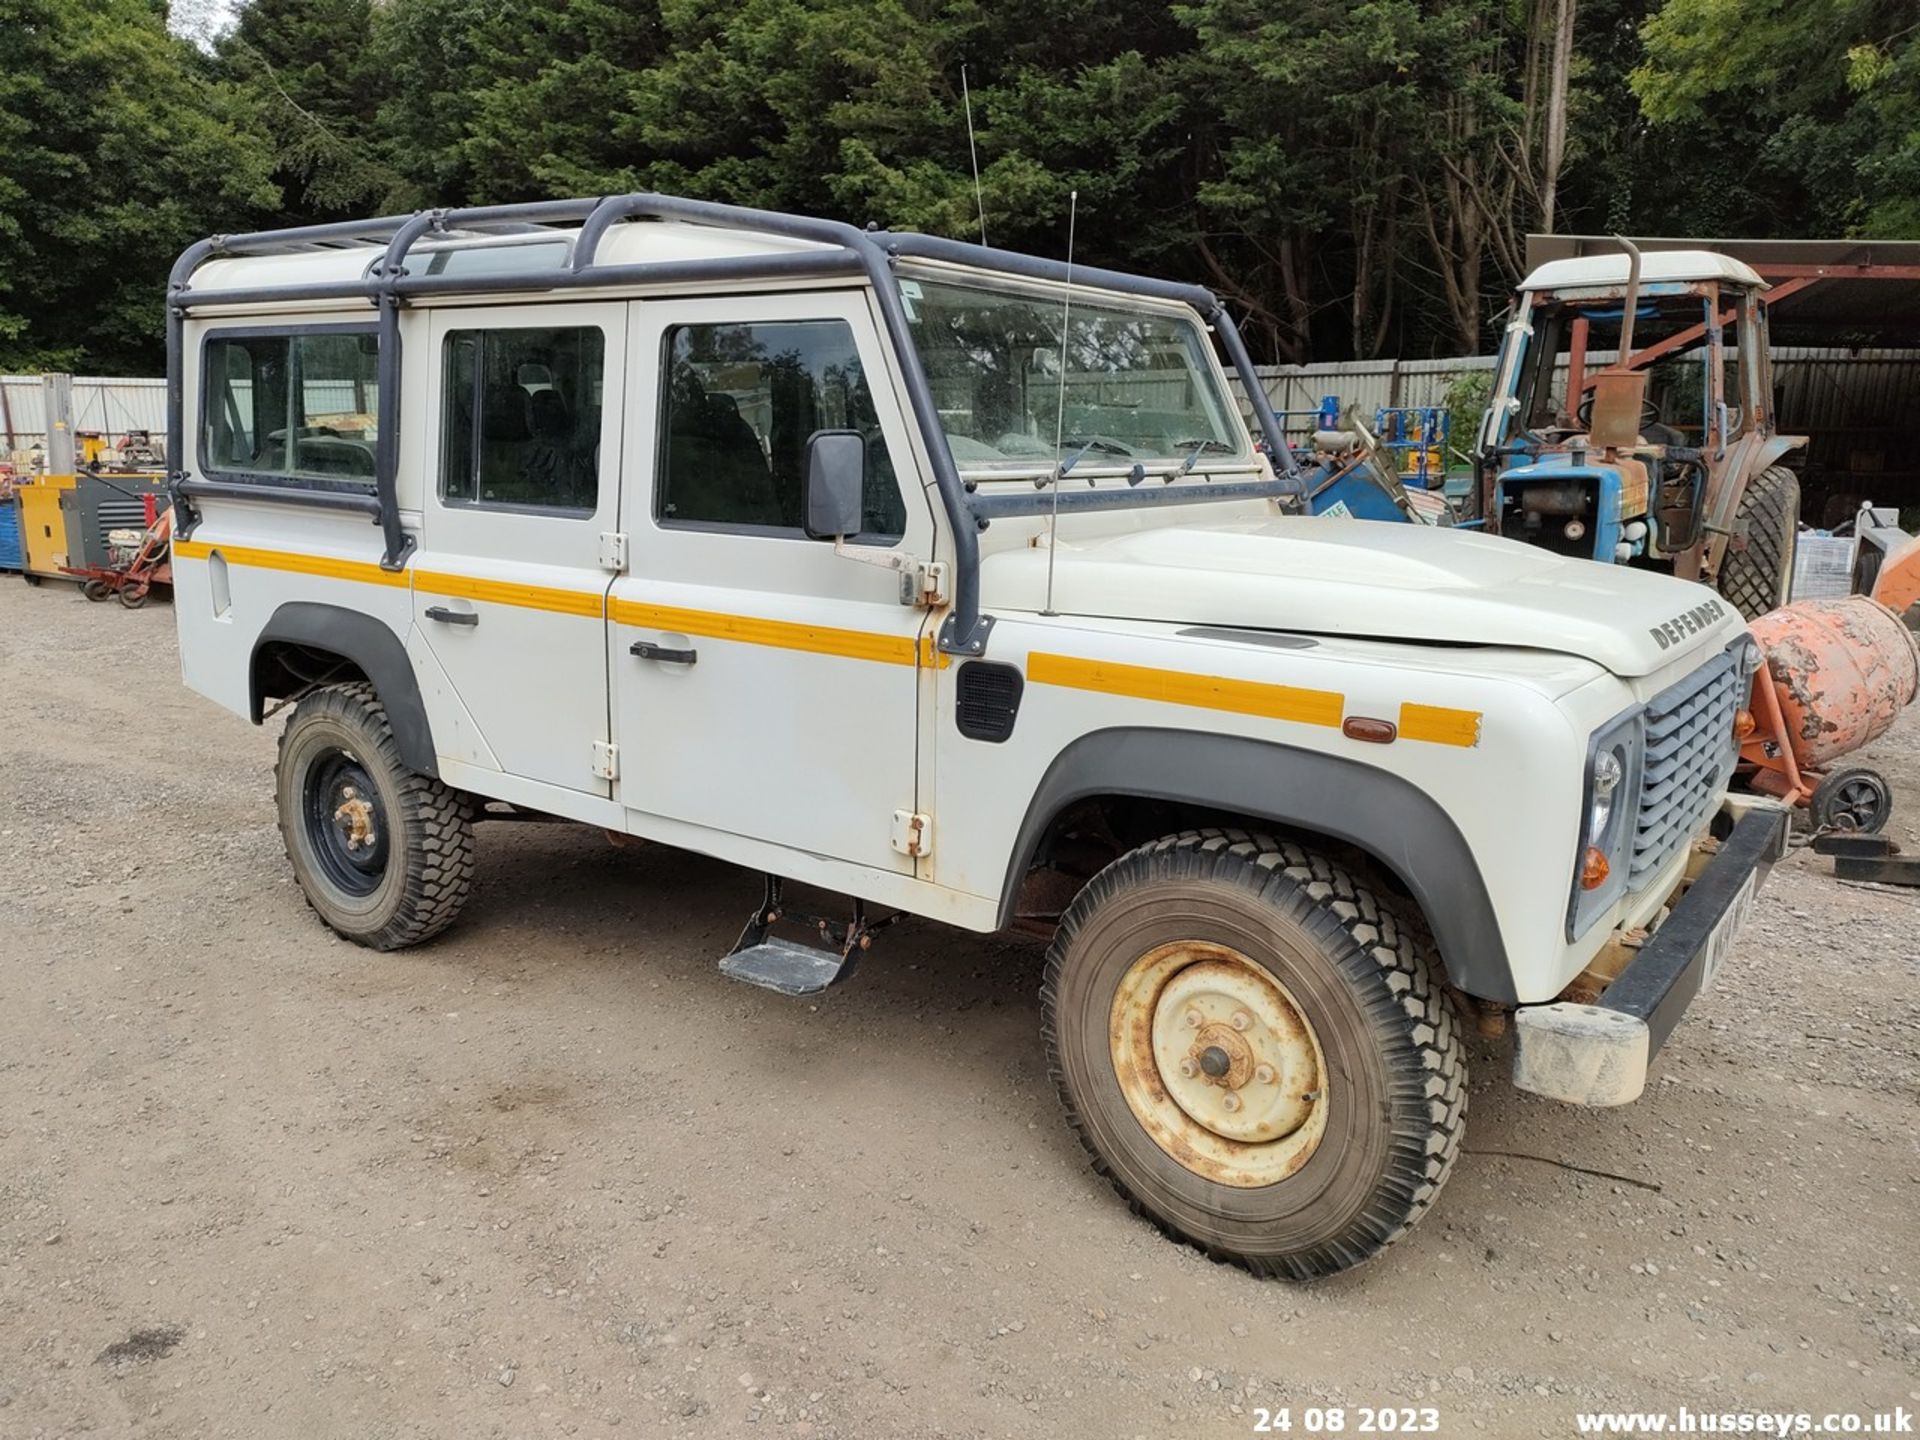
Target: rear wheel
1255, 1049
1756, 578
384, 855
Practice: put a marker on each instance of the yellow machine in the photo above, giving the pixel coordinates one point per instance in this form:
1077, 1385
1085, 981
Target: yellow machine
43, 525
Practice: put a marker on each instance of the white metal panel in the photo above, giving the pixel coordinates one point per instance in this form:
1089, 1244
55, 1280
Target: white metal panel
1656, 267
529, 668
764, 736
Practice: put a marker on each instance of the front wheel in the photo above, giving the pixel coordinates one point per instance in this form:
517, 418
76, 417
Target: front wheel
1255, 1048
384, 855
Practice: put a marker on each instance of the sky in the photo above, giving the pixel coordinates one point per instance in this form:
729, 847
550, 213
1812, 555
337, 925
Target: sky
201, 20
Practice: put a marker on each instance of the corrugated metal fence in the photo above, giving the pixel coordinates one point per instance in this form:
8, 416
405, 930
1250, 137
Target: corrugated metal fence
110, 406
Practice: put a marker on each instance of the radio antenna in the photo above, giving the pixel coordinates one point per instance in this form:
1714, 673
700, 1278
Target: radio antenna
979, 202
1060, 407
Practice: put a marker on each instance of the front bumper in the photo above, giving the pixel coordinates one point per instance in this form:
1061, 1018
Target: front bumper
1598, 1054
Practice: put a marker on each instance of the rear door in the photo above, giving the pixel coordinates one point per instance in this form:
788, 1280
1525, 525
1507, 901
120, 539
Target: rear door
509, 585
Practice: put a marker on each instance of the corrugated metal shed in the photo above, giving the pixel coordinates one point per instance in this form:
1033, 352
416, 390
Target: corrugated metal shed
1858, 408
111, 406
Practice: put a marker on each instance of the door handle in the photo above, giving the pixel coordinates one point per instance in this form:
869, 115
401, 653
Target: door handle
647, 650
452, 617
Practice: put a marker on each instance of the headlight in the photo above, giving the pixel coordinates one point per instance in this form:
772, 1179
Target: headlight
1607, 811
1603, 784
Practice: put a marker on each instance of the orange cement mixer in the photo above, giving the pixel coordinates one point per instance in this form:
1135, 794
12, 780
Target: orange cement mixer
1837, 675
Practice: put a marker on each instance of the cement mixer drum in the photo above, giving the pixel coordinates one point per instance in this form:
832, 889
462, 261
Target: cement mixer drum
1842, 671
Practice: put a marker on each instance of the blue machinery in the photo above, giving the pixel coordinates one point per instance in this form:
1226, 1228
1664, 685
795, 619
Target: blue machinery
1410, 445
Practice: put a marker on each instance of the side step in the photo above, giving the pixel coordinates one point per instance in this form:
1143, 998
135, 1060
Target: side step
789, 967
786, 966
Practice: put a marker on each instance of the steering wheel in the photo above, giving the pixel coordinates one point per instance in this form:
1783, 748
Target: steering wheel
1650, 413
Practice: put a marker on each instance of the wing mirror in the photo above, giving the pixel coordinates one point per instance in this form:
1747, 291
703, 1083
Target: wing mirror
836, 483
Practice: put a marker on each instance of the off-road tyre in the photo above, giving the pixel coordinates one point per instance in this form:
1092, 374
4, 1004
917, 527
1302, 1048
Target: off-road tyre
1757, 578
1361, 965
427, 828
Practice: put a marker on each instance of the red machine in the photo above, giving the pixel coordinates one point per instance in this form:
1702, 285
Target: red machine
1837, 675
138, 566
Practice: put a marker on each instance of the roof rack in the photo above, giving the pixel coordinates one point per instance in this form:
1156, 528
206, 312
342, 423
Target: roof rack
844, 250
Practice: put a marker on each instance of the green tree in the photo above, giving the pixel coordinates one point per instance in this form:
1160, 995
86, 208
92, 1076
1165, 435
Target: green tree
1815, 103
117, 150
492, 102
310, 68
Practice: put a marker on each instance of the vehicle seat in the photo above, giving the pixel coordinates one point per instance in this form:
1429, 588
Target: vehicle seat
716, 470
551, 473
505, 430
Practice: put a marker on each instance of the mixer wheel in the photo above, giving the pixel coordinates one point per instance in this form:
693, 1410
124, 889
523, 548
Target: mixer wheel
1857, 800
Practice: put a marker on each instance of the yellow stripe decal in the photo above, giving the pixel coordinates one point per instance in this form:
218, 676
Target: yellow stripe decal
781, 634
1440, 724
1212, 692
590, 603
324, 566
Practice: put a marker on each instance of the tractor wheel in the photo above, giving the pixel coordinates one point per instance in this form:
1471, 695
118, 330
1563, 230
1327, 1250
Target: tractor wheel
383, 855
1756, 578
1256, 1049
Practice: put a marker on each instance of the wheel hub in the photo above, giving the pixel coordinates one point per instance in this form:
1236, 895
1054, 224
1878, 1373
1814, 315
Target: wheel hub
353, 818
1219, 1063
346, 828
1233, 1052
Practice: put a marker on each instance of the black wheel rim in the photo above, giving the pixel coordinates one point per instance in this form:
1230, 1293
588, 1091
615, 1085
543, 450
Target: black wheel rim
1856, 805
345, 822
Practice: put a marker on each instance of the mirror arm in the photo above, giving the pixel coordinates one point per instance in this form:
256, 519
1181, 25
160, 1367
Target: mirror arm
921, 583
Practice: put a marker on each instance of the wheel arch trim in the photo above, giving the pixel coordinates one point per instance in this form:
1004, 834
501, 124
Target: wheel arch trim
1395, 822
370, 644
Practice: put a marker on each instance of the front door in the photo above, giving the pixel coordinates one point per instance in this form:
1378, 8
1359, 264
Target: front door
509, 586
764, 686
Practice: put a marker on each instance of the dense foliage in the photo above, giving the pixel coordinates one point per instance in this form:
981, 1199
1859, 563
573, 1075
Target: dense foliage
1358, 176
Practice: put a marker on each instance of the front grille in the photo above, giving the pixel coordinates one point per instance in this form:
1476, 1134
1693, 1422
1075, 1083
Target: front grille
1689, 758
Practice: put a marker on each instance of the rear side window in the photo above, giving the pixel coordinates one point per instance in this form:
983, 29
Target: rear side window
741, 403
520, 418
291, 406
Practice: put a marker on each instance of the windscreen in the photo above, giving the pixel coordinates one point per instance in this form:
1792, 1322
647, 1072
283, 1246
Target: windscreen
1137, 385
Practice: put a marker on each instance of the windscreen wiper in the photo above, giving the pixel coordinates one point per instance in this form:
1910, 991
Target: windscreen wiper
1199, 448
1105, 447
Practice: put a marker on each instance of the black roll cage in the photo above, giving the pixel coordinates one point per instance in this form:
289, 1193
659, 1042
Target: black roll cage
850, 251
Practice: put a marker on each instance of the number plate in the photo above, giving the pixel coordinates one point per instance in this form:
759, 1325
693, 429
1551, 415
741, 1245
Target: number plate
1720, 938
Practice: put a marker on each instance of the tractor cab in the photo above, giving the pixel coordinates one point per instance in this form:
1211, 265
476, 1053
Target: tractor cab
1631, 422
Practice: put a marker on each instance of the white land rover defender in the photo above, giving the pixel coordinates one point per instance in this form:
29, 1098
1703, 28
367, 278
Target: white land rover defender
951, 580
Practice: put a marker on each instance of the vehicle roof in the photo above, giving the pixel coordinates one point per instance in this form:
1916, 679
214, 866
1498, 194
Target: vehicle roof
1669, 266
650, 242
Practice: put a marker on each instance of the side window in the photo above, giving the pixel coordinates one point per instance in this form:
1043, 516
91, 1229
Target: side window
299, 406
742, 401
520, 417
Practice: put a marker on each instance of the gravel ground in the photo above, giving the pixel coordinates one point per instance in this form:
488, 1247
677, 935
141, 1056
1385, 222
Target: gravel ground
553, 1175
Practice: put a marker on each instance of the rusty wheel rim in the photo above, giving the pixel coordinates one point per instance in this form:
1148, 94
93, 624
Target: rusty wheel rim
1219, 1063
